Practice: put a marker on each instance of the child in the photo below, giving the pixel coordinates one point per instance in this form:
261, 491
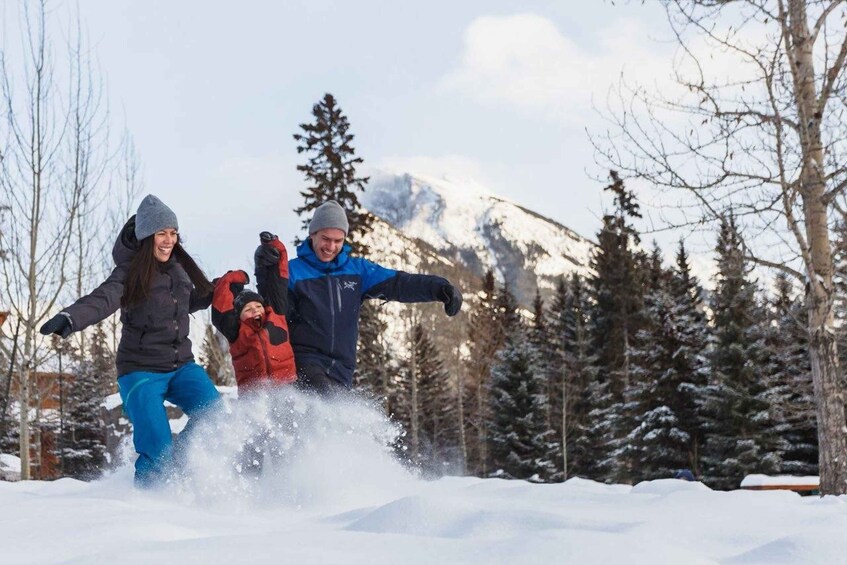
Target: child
257, 332
256, 327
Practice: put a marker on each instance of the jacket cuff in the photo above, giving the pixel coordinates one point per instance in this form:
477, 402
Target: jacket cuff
70, 320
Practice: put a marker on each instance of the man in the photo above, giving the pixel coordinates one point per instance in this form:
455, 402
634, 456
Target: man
326, 287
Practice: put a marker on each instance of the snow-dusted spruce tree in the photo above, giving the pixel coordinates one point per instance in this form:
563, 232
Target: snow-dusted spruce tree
789, 377
739, 428
485, 336
426, 407
82, 446
541, 339
522, 445
756, 128
373, 369
568, 315
331, 168
658, 444
439, 418
8, 433
693, 337
616, 291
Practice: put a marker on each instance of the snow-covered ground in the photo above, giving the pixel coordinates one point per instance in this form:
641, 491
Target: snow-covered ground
343, 498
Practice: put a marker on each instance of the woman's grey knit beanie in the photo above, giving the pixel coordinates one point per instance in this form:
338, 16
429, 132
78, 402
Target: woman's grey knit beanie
153, 215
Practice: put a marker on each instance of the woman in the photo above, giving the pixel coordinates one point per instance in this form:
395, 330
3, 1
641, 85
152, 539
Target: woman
157, 285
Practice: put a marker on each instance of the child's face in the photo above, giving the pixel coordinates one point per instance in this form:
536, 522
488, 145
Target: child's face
252, 310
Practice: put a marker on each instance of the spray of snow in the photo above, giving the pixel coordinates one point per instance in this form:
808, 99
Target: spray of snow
279, 448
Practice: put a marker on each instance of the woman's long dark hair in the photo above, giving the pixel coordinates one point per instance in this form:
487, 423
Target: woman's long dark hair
139, 278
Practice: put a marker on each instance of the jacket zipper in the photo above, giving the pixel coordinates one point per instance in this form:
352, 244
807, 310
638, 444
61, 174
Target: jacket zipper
338, 293
176, 322
262, 333
331, 316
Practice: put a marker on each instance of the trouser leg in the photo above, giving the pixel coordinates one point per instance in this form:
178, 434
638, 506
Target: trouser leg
313, 378
194, 393
143, 396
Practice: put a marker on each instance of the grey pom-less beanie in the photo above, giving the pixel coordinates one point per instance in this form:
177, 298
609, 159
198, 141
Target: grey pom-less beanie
153, 215
330, 214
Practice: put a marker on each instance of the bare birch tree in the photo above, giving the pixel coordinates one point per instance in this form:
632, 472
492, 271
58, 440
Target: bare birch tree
53, 137
758, 129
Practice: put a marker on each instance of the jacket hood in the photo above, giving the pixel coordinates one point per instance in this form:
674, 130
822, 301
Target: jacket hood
126, 244
307, 254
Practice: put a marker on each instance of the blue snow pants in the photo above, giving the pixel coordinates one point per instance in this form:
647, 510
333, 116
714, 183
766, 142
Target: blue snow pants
143, 395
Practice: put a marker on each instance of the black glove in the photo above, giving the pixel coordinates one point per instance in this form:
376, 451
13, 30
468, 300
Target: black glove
452, 299
60, 324
266, 255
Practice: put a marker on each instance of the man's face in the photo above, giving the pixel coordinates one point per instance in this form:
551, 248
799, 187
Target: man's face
327, 243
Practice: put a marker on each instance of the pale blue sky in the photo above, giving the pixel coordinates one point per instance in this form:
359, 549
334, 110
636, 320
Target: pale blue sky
500, 91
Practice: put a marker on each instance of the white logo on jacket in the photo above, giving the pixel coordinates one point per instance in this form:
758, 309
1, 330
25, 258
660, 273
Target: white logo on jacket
348, 285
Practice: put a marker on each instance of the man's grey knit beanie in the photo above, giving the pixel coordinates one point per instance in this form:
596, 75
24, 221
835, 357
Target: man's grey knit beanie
330, 214
153, 215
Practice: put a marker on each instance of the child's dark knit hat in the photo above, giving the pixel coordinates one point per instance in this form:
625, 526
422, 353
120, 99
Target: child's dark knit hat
245, 297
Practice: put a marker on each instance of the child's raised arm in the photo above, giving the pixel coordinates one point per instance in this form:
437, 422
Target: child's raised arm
224, 316
271, 261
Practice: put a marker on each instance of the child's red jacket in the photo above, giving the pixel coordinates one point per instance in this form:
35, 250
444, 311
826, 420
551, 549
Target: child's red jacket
260, 349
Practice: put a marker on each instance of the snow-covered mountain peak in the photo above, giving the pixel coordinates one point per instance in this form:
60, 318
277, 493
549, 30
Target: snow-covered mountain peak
471, 225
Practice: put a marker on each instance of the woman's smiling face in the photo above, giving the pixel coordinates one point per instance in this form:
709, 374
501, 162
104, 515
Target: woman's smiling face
163, 243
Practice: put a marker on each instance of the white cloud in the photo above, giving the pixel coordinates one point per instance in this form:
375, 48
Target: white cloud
524, 61
454, 167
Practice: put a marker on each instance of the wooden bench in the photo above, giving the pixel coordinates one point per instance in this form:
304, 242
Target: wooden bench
803, 485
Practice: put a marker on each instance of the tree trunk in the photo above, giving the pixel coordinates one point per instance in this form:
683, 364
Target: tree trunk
823, 349
460, 405
564, 427
23, 443
832, 440
481, 402
413, 413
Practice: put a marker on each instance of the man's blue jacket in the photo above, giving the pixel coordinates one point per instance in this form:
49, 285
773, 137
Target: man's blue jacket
324, 301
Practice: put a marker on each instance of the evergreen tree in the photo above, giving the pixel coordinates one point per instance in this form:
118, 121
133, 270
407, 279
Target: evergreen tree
84, 442
570, 399
331, 168
789, 377
542, 341
485, 337
425, 406
8, 431
738, 421
691, 356
522, 444
658, 444
616, 286
616, 290
372, 376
